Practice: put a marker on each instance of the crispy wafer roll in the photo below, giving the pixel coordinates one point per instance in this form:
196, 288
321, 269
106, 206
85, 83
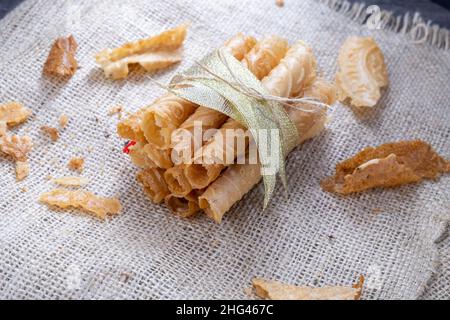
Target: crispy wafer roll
239, 45
130, 128
262, 58
169, 112
295, 71
154, 184
177, 182
266, 55
185, 141
184, 207
210, 160
140, 158
237, 180
160, 157
164, 116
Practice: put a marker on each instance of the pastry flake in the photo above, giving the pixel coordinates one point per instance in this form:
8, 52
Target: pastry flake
22, 169
61, 59
362, 72
115, 110
63, 120
16, 146
389, 165
71, 181
154, 184
274, 290
154, 53
100, 207
130, 127
76, 164
53, 133
14, 113
3, 128
140, 158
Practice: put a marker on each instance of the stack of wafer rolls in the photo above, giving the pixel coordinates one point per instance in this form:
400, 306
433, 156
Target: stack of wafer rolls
214, 186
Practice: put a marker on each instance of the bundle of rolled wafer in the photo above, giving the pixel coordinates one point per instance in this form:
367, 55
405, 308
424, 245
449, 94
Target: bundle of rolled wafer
206, 182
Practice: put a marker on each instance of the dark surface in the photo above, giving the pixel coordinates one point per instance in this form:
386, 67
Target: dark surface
437, 11
430, 10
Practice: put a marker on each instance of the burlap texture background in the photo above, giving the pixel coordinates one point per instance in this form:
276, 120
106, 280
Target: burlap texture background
396, 238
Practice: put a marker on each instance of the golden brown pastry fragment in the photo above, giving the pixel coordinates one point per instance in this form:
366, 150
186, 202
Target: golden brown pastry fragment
13, 113
16, 146
154, 53
154, 184
100, 207
53, 133
71, 181
362, 72
61, 59
115, 110
22, 169
76, 164
3, 128
274, 290
389, 165
63, 120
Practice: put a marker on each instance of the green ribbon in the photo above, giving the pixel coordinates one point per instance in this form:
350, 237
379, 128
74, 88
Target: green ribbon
218, 92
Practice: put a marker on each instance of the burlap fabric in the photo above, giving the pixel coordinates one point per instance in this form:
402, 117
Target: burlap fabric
309, 238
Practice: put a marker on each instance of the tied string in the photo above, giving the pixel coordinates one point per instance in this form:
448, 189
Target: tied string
240, 87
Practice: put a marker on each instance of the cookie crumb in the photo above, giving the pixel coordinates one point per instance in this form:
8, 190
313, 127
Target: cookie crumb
76, 164
53, 133
63, 121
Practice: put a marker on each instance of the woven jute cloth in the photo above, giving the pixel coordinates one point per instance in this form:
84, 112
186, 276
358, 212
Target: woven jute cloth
396, 238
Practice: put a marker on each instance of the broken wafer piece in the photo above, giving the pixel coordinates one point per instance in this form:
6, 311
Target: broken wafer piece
274, 290
53, 133
115, 110
22, 169
61, 59
63, 120
71, 181
154, 53
389, 165
3, 128
11, 114
76, 164
16, 146
14, 113
100, 207
362, 72
154, 184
